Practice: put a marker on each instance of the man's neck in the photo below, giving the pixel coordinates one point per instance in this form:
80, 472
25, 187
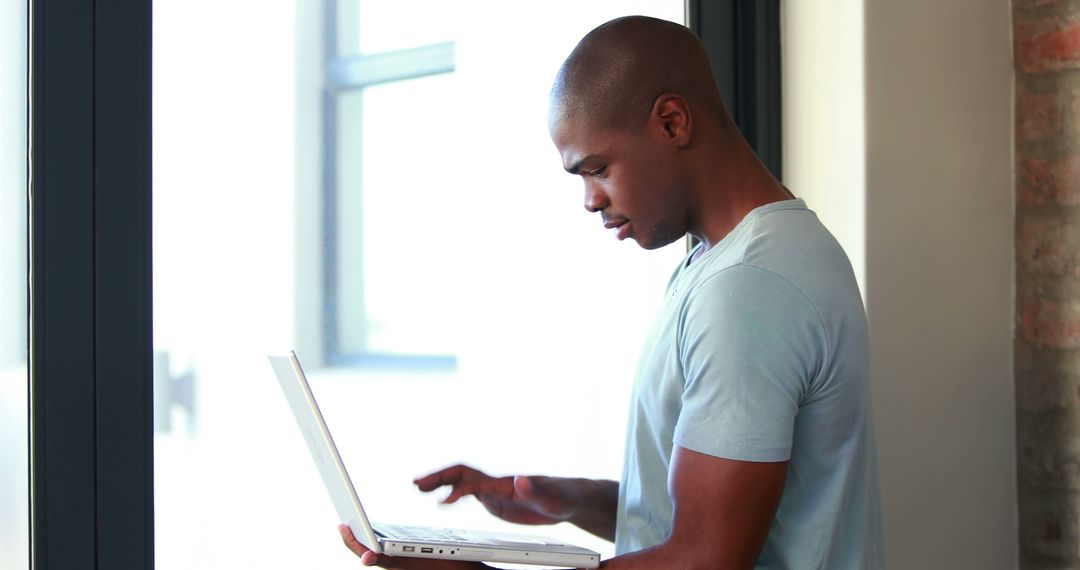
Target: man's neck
733, 185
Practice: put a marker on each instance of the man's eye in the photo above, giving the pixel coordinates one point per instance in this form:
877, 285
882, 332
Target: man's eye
599, 172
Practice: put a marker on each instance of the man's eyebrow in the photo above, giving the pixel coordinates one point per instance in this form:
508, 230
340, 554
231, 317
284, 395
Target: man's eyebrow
575, 168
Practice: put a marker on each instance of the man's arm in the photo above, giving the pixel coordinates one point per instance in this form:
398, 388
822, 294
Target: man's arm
723, 511
598, 507
587, 503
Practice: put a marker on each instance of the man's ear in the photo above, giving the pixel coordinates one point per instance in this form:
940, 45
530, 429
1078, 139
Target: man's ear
671, 116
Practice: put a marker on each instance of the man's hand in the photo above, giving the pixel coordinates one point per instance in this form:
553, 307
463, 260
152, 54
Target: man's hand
369, 558
587, 503
520, 499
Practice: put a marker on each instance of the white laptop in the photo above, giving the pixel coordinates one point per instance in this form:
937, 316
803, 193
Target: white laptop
399, 540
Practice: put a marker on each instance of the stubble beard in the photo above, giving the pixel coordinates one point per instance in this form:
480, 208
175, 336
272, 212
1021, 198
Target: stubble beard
663, 233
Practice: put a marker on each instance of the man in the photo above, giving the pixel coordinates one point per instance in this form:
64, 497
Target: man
750, 439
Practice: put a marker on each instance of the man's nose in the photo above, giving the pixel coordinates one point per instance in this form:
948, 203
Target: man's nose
595, 199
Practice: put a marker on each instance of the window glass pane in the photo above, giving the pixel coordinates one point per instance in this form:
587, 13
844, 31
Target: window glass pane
455, 230
223, 280
14, 501
393, 175
374, 26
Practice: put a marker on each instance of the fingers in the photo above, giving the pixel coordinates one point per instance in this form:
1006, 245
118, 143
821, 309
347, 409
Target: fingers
449, 476
484, 488
464, 481
465, 489
354, 545
524, 488
367, 557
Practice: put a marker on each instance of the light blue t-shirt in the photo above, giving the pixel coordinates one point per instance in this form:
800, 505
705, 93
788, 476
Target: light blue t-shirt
760, 353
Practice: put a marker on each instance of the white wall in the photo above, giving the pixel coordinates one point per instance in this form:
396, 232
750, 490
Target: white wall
935, 218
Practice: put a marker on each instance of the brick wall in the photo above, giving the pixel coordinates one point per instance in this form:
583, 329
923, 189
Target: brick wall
1047, 345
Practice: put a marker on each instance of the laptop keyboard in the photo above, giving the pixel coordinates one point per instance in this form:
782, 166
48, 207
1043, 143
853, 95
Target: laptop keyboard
427, 533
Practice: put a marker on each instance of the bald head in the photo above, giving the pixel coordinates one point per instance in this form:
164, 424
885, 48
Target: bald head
617, 71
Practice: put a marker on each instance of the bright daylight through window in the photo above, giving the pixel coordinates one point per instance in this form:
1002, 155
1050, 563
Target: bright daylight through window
14, 489
371, 183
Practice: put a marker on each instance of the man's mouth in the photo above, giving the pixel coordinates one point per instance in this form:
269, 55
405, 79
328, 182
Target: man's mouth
621, 227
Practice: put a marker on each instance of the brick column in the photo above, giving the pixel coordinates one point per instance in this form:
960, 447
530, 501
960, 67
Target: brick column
1047, 340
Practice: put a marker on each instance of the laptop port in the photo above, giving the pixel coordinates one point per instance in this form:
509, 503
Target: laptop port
426, 550
408, 549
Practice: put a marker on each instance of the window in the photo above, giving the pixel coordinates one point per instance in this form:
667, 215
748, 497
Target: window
237, 243
14, 456
382, 117
461, 211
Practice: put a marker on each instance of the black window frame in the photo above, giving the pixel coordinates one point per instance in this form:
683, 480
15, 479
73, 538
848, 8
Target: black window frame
91, 399
742, 38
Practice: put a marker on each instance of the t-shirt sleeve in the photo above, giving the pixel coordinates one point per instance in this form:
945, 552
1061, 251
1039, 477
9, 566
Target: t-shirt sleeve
750, 344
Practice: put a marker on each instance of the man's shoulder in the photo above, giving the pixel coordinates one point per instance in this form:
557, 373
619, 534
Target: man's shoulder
791, 240
782, 237
785, 265
745, 294
796, 247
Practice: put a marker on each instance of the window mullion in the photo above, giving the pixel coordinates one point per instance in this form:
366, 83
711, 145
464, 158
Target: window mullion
363, 70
